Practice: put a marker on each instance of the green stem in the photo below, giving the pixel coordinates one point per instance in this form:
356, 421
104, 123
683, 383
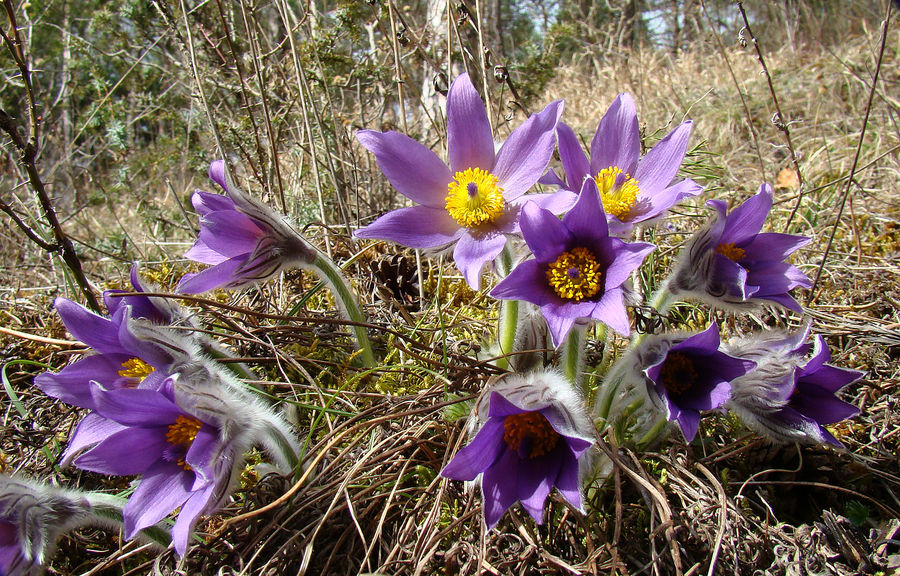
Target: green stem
107, 509
653, 433
509, 313
663, 299
347, 303
607, 392
573, 355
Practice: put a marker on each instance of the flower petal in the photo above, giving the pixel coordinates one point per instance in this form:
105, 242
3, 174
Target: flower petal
544, 233
411, 168
628, 257
127, 452
479, 455
472, 253
498, 488
567, 481
416, 227
164, 488
747, 220
524, 156
230, 233
527, 282
217, 173
617, 141
653, 205
536, 478
72, 383
92, 429
135, 406
656, 170
100, 333
774, 246
574, 162
211, 278
611, 311
196, 504
206, 202
470, 143
587, 220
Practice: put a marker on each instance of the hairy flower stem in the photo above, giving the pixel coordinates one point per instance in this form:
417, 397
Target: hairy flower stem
509, 314
607, 392
107, 511
653, 433
347, 303
573, 355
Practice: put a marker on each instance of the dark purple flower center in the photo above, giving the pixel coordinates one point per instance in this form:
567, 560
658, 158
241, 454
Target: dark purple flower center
472, 188
573, 273
678, 373
529, 434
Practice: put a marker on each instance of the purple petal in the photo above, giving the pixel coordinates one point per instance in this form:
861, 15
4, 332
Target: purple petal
195, 505
689, 422
528, 282
164, 487
575, 163
472, 253
617, 141
561, 316
230, 233
821, 405
100, 333
657, 169
72, 383
586, 220
628, 258
551, 178
200, 455
651, 206
500, 407
611, 311
92, 429
416, 227
217, 173
498, 488
524, 156
470, 143
747, 220
127, 452
135, 406
211, 278
536, 478
547, 237
479, 455
774, 246
557, 203
411, 168
567, 483
202, 253
206, 202
706, 341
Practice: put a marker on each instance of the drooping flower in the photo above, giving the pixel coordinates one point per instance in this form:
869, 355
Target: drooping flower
633, 189
785, 399
121, 359
731, 264
475, 202
530, 433
244, 240
688, 373
578, 270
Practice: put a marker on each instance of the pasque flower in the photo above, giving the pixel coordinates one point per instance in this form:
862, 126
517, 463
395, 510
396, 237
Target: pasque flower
244, 240
731, 264
475, 201
688, 373
578, 270
530, 433
787, 399
160, 310
633, 189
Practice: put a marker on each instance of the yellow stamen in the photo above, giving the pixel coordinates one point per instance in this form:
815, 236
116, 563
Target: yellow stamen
474, 197
731, 251
575, 275
135, 368
182, 433
531, 427
620, 199
678, 374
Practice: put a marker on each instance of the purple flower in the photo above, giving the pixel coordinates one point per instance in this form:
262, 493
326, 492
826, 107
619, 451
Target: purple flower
730, 264
687, 375
532, 434
159, 310
578, 270
475, 202
122, 359
633, 189
244, 240
788, 400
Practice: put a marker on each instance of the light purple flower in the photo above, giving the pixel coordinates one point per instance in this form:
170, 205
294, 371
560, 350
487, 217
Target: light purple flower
244, 240
531, 433
786, 399
121, 359
730, 264
578, 270
688, 374
633, 189
475, 201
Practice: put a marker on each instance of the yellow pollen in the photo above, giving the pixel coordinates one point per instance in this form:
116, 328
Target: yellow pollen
617, 200
530, 427
474, 197
678, 374
731, 251
183, 430
135, 368
575, 275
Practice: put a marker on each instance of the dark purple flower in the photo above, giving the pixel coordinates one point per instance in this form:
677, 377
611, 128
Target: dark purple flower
578, 270
244, 240
159, 310
121, 360
473, 203
633, 189
687, 375
786, 399
532, 434
730, 264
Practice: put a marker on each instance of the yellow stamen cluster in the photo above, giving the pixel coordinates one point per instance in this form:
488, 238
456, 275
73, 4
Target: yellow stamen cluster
617, 200
575, 275
731, 251
183, 430
533, 427
678, 374
474, 197
135, 368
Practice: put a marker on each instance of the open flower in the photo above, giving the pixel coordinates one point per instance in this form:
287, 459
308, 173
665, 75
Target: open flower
160, 310
473, 203
578, 270
531, 433
730, 264
244, 240
685, 375
121, 359
633, 189
785, 399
